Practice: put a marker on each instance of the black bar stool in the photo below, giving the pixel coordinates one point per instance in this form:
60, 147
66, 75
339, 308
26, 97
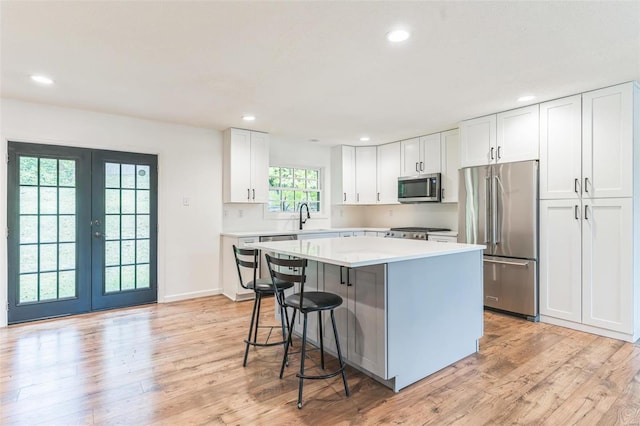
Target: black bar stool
306, 302
249, 258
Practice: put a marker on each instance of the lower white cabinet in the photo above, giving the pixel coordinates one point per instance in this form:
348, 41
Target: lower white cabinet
361, 314
586, 264
230, 282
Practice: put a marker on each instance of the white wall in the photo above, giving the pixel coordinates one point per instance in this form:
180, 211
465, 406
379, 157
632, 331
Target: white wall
252, 217
190, 165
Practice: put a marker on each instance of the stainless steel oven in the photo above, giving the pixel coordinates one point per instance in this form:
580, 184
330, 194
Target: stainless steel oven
419, 189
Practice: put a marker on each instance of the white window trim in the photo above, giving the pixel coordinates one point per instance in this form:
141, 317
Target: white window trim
322, 214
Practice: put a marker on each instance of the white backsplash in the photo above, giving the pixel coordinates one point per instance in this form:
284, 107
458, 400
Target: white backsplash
252, 217
389, 216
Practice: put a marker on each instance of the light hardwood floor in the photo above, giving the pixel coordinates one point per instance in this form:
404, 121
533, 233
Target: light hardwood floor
181, 363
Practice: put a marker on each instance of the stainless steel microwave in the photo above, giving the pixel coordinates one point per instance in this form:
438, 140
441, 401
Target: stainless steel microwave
419, 189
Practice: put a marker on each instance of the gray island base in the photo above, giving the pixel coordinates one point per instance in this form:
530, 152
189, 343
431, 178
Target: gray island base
410, 307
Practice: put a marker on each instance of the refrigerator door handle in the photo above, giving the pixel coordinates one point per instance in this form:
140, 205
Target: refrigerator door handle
495, 210
487, 215
502, 262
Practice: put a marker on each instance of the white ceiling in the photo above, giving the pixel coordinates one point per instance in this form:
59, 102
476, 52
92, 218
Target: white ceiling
314, 70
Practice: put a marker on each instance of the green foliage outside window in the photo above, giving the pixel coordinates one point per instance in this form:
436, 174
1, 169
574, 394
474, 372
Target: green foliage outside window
290, 186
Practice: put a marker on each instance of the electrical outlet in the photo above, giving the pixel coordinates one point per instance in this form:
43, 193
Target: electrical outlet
390, 213
240, 213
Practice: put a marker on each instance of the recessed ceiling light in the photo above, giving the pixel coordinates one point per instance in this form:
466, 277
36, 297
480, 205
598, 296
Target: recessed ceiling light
396, 36
364, 139
249, 117
526, 98
42, 79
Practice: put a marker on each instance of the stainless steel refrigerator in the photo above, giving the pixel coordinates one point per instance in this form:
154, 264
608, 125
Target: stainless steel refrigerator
498, 207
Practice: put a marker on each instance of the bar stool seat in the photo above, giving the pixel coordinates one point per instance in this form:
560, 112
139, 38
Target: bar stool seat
314, 301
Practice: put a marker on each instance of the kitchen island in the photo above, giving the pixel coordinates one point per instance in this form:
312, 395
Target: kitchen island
410, 307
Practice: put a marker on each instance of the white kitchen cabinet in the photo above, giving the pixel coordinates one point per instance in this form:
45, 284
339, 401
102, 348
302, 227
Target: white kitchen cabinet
229, 275
366, 169
517, 135
607, 264
561, 259
246, 166
388, 171
500, 138
343, 174
607, 147
450, 153
586, 264
361, 314
478, 141
421, 155
561, 148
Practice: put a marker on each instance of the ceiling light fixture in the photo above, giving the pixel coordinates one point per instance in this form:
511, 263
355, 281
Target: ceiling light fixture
364, 139
249, 117
526, 98
397, 36
42, 79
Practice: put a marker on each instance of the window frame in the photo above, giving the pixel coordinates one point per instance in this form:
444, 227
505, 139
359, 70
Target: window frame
321, 214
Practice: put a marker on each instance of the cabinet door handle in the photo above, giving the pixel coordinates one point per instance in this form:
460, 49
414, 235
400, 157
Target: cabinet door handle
358, 197
499, 152
492, 148
417, 170
421, 166
576, 212
345, 196
586, 216
586, 182
442, 192
378, 197
348, 279
575, 185
254, 194
248, 194
341, 279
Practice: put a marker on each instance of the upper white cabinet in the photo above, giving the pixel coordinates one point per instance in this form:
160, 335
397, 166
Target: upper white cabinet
450, 145
517, 135
500, 138
607, 148
366, 169
478, 141
365, 174
586, 145
561, 148
388, 171
420, 155
246, 166
343, 174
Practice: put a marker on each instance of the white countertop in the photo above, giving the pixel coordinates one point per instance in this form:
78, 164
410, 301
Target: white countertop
242, 234
363, 251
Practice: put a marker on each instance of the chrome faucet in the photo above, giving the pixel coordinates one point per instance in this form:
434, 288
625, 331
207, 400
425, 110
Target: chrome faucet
302, 222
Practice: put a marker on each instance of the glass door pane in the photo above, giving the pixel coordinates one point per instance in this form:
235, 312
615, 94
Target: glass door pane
124, 229
45, 239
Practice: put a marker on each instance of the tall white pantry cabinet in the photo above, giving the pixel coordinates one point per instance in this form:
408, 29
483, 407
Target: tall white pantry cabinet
590, 212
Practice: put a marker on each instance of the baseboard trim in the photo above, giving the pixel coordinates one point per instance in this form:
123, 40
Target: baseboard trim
191, 295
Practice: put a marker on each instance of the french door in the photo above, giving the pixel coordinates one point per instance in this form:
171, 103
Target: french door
82, 230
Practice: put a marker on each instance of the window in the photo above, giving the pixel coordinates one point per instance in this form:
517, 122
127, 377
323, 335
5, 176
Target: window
290, 186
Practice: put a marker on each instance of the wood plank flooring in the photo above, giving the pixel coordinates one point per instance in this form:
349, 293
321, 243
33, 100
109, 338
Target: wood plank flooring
181, 363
